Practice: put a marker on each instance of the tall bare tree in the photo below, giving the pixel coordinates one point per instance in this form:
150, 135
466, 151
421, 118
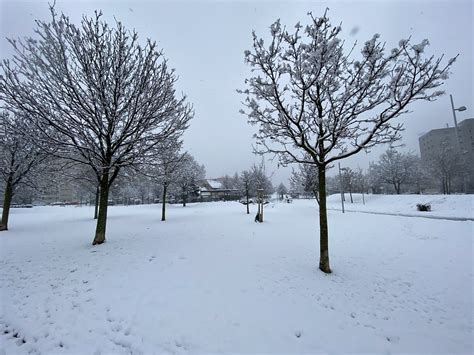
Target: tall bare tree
310, 96
108, 99
19, 159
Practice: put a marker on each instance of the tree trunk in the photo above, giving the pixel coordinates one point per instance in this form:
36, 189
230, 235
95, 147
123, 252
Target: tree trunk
350, 193
316, 195
96, 209
7, 200
184, 198
103, 204
323, 223
163, 206
247, 197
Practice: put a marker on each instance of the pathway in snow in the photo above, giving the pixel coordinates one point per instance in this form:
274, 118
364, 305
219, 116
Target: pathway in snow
461, 219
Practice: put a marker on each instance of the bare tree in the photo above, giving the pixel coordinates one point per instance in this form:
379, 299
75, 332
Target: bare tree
263, 187
445, 164
19, 159
108, 99
188, 176
420, 177
166, 169
305, 179
282, 190
395, 168
247, 186
348, 182
310, 98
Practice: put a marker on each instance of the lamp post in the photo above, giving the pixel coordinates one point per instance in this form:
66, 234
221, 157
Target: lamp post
340, 183
458, 141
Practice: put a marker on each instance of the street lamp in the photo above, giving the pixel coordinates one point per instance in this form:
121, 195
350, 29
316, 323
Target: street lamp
341, 186
460, 109
458, 141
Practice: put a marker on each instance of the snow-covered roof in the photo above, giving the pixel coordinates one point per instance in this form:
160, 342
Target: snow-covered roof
215, 184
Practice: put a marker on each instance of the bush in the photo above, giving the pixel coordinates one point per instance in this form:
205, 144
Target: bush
424, 207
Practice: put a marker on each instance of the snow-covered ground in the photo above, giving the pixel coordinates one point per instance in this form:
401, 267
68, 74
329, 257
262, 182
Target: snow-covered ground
210, 279
442, 206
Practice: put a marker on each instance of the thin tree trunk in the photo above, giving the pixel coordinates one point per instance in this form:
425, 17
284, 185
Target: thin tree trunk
7, 200
96, 209
103, 204
184, 198
350, 193
316, 196
323, 223
163, 206
247, 196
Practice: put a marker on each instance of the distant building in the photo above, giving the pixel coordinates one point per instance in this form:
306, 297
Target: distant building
436, 142
466, 140
214, 190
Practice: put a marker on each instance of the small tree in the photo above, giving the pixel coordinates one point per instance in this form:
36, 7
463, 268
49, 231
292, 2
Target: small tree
247, 185
395, 168
188, 176
314, 104
107, 99
282, 190
19, 159
263, 186
420, 177
348, 181
445, 164
166, 169
305, 179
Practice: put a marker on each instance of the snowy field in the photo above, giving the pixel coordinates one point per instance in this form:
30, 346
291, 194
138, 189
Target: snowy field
209, 279
456, 207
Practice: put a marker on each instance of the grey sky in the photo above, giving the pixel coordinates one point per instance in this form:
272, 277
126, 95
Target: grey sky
204, 41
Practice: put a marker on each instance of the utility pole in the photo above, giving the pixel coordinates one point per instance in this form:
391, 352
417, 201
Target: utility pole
458, 141
340, 183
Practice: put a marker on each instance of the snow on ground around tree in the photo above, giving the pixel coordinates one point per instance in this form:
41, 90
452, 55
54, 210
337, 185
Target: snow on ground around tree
442, 206
210, 279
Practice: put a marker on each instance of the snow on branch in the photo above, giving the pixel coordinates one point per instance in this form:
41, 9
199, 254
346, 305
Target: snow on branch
311, 97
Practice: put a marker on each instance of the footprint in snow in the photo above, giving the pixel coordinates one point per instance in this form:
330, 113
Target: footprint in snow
393, 339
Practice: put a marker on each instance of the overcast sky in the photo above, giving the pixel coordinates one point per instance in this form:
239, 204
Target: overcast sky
204, 41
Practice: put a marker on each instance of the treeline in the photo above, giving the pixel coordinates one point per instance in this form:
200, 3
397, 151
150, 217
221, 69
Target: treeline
395, 172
